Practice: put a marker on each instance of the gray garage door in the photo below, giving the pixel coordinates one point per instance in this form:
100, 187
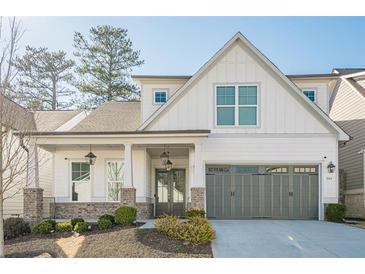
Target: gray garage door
243, 192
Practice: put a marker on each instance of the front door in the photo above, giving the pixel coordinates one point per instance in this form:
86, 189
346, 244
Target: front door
170, 192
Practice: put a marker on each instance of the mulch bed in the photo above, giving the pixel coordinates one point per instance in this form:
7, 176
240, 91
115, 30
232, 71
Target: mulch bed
117, 242
158, 241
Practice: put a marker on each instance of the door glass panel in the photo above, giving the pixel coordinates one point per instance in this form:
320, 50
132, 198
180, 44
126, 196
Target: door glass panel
162, 187
178, 186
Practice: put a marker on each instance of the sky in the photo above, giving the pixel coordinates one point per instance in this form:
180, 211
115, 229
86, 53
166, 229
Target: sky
181, 45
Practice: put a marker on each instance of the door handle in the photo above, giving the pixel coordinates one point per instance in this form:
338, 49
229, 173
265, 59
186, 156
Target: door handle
291, 193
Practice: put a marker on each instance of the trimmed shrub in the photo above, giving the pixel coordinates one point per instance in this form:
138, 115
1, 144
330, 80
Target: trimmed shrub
104, 223
125, 215
109, 217
195, 212
15, 227
196, 231
74, 221
63, 227
44, 227
167, 225
81, 227
335, 212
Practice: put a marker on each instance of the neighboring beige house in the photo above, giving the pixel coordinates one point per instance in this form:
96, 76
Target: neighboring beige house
348, 110
238, 138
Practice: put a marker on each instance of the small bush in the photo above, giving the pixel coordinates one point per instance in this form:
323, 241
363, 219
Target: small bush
81, 227
195, 212
125, 215
63, 227
167, 225
104, 223
44, 227
196, 231
74, 221
15, 227
335, 212
109, 217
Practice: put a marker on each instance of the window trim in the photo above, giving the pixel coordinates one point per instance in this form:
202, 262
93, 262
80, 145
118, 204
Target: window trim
236, 106
311, 89
79, 160
154, 90
106, 177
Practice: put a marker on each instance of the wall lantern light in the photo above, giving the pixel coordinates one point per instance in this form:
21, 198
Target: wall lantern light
331, 167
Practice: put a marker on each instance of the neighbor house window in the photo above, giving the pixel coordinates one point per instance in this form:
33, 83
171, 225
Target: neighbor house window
114, 177
80, 175
311, 94
236, 105
160, 96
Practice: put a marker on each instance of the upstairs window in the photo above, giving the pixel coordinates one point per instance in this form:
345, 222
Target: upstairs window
311, 94
236, 105
159, 96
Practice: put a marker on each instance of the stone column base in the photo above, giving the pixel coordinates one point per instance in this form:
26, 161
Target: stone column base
128, 196
33, 205
197, 197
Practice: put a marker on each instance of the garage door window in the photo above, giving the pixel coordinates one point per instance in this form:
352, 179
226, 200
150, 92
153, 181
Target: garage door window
305, 170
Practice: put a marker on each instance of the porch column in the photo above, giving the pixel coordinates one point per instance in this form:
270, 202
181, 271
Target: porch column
128, 192
32, 193
197, 188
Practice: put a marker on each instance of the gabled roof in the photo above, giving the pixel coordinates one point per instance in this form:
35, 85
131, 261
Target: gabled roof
112, 117
15, 116
50, 120
187, 77
344, 71
239, 37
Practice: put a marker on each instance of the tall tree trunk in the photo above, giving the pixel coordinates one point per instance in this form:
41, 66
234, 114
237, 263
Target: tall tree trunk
54, 95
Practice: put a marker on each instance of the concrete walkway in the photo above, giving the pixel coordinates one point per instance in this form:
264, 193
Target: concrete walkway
286, 239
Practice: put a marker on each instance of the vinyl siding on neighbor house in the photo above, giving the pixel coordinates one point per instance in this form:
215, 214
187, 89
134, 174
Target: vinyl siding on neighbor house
348, 110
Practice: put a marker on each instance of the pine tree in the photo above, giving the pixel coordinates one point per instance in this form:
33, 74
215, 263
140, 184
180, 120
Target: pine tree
106, 60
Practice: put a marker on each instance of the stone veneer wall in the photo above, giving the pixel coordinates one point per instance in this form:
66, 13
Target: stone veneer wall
33, 205
128, 196
94, 210
197, 197
355, 207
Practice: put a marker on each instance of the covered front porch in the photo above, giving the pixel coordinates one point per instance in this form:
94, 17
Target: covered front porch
128, 171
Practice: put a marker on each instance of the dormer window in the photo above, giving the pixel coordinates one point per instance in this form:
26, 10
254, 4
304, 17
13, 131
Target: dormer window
160, 96
311, 94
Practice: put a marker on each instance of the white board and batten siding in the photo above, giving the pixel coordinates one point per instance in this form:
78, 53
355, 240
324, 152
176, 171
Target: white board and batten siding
147, 93
279, 109
287, 131
348, 110
62, 174
13, 206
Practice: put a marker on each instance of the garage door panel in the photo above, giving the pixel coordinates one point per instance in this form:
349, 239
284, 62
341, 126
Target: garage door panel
247, 196
286, 193
255, 194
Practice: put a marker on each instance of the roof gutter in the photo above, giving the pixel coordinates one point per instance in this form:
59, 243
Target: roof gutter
121, 133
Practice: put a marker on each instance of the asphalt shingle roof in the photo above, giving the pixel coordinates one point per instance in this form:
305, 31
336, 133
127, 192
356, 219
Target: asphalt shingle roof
112, 116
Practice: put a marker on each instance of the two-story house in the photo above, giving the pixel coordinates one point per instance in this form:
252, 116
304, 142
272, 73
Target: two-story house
238, 138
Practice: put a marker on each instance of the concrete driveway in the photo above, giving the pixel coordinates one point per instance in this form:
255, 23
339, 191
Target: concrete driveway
285, 239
